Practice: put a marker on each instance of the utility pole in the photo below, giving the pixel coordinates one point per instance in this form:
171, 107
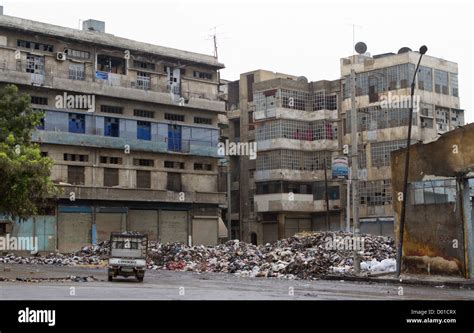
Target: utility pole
354, 171
326, 191
229, 200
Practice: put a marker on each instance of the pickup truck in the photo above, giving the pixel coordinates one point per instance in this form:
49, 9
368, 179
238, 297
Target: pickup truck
128, 253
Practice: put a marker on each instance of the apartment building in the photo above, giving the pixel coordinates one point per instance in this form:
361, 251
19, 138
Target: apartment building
295, 126
382, 92
132, 129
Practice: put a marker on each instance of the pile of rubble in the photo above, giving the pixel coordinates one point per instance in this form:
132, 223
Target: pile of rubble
305, 256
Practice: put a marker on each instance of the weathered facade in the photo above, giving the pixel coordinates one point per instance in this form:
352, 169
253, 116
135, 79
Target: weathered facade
382, 103
438, 233
132, 129
294, 125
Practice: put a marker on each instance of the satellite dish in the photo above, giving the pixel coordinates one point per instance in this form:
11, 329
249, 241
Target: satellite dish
404, 50
302, 79
361, 48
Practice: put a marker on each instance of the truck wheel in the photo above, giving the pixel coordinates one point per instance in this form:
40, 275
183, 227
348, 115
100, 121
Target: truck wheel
140, 278
110, 278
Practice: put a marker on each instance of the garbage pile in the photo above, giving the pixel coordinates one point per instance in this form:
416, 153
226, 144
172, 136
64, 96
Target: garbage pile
304, 256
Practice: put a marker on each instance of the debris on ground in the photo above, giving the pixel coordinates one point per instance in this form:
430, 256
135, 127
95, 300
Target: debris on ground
304, 256
70, 278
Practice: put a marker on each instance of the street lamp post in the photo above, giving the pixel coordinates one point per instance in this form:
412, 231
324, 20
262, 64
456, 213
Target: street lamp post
423, 50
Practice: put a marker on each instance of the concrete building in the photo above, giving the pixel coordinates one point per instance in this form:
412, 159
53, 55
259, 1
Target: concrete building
438, 233
382, 96
132, 129
295, 127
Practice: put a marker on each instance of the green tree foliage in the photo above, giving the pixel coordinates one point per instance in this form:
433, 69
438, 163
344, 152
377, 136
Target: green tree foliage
24, 174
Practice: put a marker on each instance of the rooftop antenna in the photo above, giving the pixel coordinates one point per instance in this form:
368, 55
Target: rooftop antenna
213, 36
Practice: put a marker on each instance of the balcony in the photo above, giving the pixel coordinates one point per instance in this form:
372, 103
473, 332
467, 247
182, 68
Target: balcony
108, 84
97, 141
280, 202
133, 194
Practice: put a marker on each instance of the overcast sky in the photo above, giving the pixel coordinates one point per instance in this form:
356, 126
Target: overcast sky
292, 36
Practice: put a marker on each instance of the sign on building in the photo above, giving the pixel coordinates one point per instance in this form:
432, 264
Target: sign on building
340, 167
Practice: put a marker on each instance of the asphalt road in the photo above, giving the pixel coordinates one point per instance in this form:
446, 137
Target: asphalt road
172, 285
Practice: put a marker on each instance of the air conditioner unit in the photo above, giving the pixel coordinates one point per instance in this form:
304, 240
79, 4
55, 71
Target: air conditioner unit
61, 56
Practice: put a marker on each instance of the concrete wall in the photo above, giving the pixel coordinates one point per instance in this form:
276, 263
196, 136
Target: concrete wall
432, 230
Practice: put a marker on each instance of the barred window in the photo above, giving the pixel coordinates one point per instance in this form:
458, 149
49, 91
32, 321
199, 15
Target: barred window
111, 109
39, 100
380, 151
143, 113
389, 78
293, 99
174, 117
143, 162
174, 165
202, 120
77, 54
293, 160
374, 117
110, 160
375, 192
77, 72
297, 130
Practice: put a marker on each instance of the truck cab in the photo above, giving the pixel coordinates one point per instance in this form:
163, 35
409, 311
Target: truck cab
128, 253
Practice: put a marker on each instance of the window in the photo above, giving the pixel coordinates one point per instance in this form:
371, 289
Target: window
294, 160
110, 160
202, 120
143, 130
34, 45
441, 82
76, 157
44, 154
380, 151
174, 182
77, 72
111, 109
432, 192
453, 83
202, 75
143, 179
77, 54
144, 65
375, 193
203, 166
425, 78
143, 113
77, 123
111, 127
110, 64
39, 100
174, 117
374, 117
75, 175
297, 130
143, 162
174, 165
34, 64
142, 81
111, 177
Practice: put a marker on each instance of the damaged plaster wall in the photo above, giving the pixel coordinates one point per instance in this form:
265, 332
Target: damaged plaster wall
438, 237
